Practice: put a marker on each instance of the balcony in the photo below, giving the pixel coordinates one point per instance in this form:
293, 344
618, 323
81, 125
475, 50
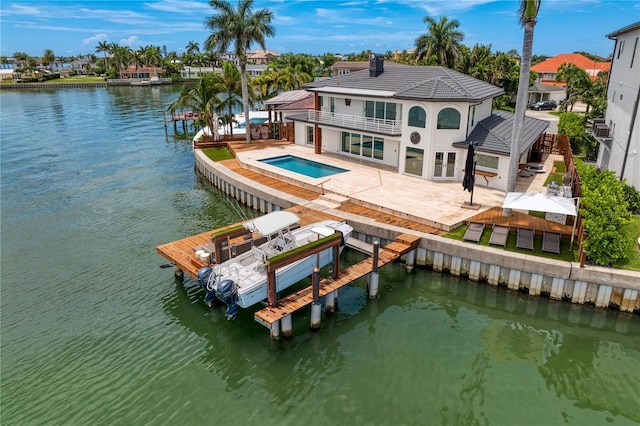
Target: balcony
355, 122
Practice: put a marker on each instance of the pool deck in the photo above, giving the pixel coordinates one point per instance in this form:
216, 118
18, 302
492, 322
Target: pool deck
440, 204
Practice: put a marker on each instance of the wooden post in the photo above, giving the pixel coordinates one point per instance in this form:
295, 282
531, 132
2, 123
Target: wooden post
373, 276
271, 288
315, 306
336, 262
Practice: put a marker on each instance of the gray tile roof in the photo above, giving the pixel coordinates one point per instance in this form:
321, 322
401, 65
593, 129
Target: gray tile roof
545, 88
412, 82
494, 133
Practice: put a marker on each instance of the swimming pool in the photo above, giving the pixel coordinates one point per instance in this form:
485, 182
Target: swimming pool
255, 120
303, 166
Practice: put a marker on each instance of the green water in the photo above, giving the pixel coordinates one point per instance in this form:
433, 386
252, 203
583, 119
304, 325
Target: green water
93, 332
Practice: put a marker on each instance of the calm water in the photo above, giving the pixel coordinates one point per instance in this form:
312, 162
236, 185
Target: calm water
94, 332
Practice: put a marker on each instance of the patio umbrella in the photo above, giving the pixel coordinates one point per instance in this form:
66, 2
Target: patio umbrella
469, 177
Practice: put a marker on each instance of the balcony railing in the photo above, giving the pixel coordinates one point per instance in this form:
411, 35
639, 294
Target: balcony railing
355, 122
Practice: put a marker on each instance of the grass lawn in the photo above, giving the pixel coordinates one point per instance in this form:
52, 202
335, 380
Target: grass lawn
557, 175
565, 252
77, 79
633, 252
218, 153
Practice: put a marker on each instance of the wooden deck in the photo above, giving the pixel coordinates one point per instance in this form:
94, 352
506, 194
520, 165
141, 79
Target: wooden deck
390, 219
287, 305
521, 220
183, 255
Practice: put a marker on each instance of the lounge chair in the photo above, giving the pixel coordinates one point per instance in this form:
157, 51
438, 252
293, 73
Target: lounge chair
525, 238
474, 232
551, 241
499, 235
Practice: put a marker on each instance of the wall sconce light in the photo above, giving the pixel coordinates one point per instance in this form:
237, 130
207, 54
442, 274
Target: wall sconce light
347, 101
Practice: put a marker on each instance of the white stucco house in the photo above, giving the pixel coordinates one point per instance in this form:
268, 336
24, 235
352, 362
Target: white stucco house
419, 120
619, 132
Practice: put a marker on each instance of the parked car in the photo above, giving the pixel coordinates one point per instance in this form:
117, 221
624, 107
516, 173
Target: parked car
542, 105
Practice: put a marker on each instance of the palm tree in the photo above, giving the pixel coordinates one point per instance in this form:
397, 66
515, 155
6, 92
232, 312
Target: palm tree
121, 56
528, 14
105, 48
577, 80
47, 57
201, 97
231, 95
239, 27
441, 45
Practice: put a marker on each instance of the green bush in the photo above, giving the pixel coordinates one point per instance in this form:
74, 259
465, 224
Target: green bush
632, 196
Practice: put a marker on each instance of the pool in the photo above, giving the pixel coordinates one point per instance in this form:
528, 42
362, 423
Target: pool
255, 120
303, 166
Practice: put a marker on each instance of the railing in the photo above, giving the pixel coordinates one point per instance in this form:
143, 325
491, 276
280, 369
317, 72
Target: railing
376, 125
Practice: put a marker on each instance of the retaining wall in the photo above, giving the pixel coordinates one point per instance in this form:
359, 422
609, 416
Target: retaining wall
559, 280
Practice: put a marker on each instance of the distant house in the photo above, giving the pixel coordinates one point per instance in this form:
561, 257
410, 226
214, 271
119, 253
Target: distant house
547, 70
261, 57
81, 66
141, 72
347, 67
6, 74
419, 120
546, 92
619, 132
197, 72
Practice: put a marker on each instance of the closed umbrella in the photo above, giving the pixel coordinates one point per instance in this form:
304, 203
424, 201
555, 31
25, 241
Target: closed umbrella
469, 173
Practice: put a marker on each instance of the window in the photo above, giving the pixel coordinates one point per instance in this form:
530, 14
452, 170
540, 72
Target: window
309, 139
365, 146
381, 110
417, 117
473, 115
449, 118
413, 161
620, 49
633, 55
486, 162
333, 104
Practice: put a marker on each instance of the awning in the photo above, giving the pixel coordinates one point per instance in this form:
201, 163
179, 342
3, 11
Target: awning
272, 222
539, 202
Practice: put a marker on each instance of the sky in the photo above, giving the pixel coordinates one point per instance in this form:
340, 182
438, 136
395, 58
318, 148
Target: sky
75, 27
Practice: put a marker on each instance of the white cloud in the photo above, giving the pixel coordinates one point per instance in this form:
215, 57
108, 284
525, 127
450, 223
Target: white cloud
130, 41
95, 38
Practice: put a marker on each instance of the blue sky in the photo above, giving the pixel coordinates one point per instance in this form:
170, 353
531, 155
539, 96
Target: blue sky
71, 27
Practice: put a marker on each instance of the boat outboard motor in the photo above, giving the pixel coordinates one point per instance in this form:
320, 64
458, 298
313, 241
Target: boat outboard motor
227, 292
207, 280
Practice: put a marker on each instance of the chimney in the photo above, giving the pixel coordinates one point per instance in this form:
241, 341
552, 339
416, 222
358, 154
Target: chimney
376, 64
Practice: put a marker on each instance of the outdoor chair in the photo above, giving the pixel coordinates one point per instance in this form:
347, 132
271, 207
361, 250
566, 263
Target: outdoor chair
551, 241
525, 238
499, 235
474, 232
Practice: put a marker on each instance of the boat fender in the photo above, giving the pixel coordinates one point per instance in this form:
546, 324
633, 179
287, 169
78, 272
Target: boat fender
227, 292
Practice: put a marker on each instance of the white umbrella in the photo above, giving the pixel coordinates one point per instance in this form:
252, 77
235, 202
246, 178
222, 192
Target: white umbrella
539, 202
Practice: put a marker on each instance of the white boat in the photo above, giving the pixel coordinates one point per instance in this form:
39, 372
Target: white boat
242, 280
239, 122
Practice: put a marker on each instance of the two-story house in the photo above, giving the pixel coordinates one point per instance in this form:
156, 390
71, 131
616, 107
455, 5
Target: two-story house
619, 132
419, 120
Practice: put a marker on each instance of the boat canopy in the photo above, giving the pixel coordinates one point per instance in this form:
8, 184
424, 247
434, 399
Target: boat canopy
272, 222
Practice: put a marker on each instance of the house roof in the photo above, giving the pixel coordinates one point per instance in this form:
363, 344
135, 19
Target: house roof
306, 103
545, 88
358, 65
288, 97
494, 133
624, 30
552, 65
430, 83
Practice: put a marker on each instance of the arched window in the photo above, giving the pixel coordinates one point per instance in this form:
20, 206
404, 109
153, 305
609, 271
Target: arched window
417, 117
448, 118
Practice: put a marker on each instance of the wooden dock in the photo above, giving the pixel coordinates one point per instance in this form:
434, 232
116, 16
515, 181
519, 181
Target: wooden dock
286, 306
182, 253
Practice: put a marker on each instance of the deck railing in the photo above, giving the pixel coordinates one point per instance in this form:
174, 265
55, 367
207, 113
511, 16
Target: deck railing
356, 122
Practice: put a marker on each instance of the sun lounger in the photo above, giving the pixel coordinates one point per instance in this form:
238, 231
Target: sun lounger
474, 232
525, 238
551, 241
499, 235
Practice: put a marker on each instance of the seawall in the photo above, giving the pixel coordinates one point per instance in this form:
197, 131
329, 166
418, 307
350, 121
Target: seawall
560, 280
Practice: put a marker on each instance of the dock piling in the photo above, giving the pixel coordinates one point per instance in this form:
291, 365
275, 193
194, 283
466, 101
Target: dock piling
287, 328
330, 301
315, 306
275, 330
374, 275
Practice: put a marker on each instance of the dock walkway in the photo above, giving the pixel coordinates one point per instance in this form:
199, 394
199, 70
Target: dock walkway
289, 304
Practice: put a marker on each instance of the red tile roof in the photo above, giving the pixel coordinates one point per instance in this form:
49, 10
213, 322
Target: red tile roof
552, 65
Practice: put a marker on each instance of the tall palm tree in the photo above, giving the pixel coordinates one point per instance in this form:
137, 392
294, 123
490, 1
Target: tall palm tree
239, 27
577, 80
441, 45
105, 48
121, 56
47, 57
231, 95
528, 14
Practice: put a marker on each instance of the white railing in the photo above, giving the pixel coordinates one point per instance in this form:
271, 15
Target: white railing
376, 125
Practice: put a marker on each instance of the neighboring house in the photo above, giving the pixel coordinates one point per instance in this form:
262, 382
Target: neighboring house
547, 70
347, 67
254, 70
290, 103
417, 119
6, 74
261, 57
197, 72
81, 66
619, 133
230, 57
546, 92
141, 72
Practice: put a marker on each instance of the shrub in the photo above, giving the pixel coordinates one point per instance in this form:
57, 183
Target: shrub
632, 196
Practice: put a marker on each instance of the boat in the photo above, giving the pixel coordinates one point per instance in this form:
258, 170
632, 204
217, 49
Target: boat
241, 280
239, 122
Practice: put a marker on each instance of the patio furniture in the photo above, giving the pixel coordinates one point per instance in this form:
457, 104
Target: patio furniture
551, 241
525, 238
499, 235
474, 232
